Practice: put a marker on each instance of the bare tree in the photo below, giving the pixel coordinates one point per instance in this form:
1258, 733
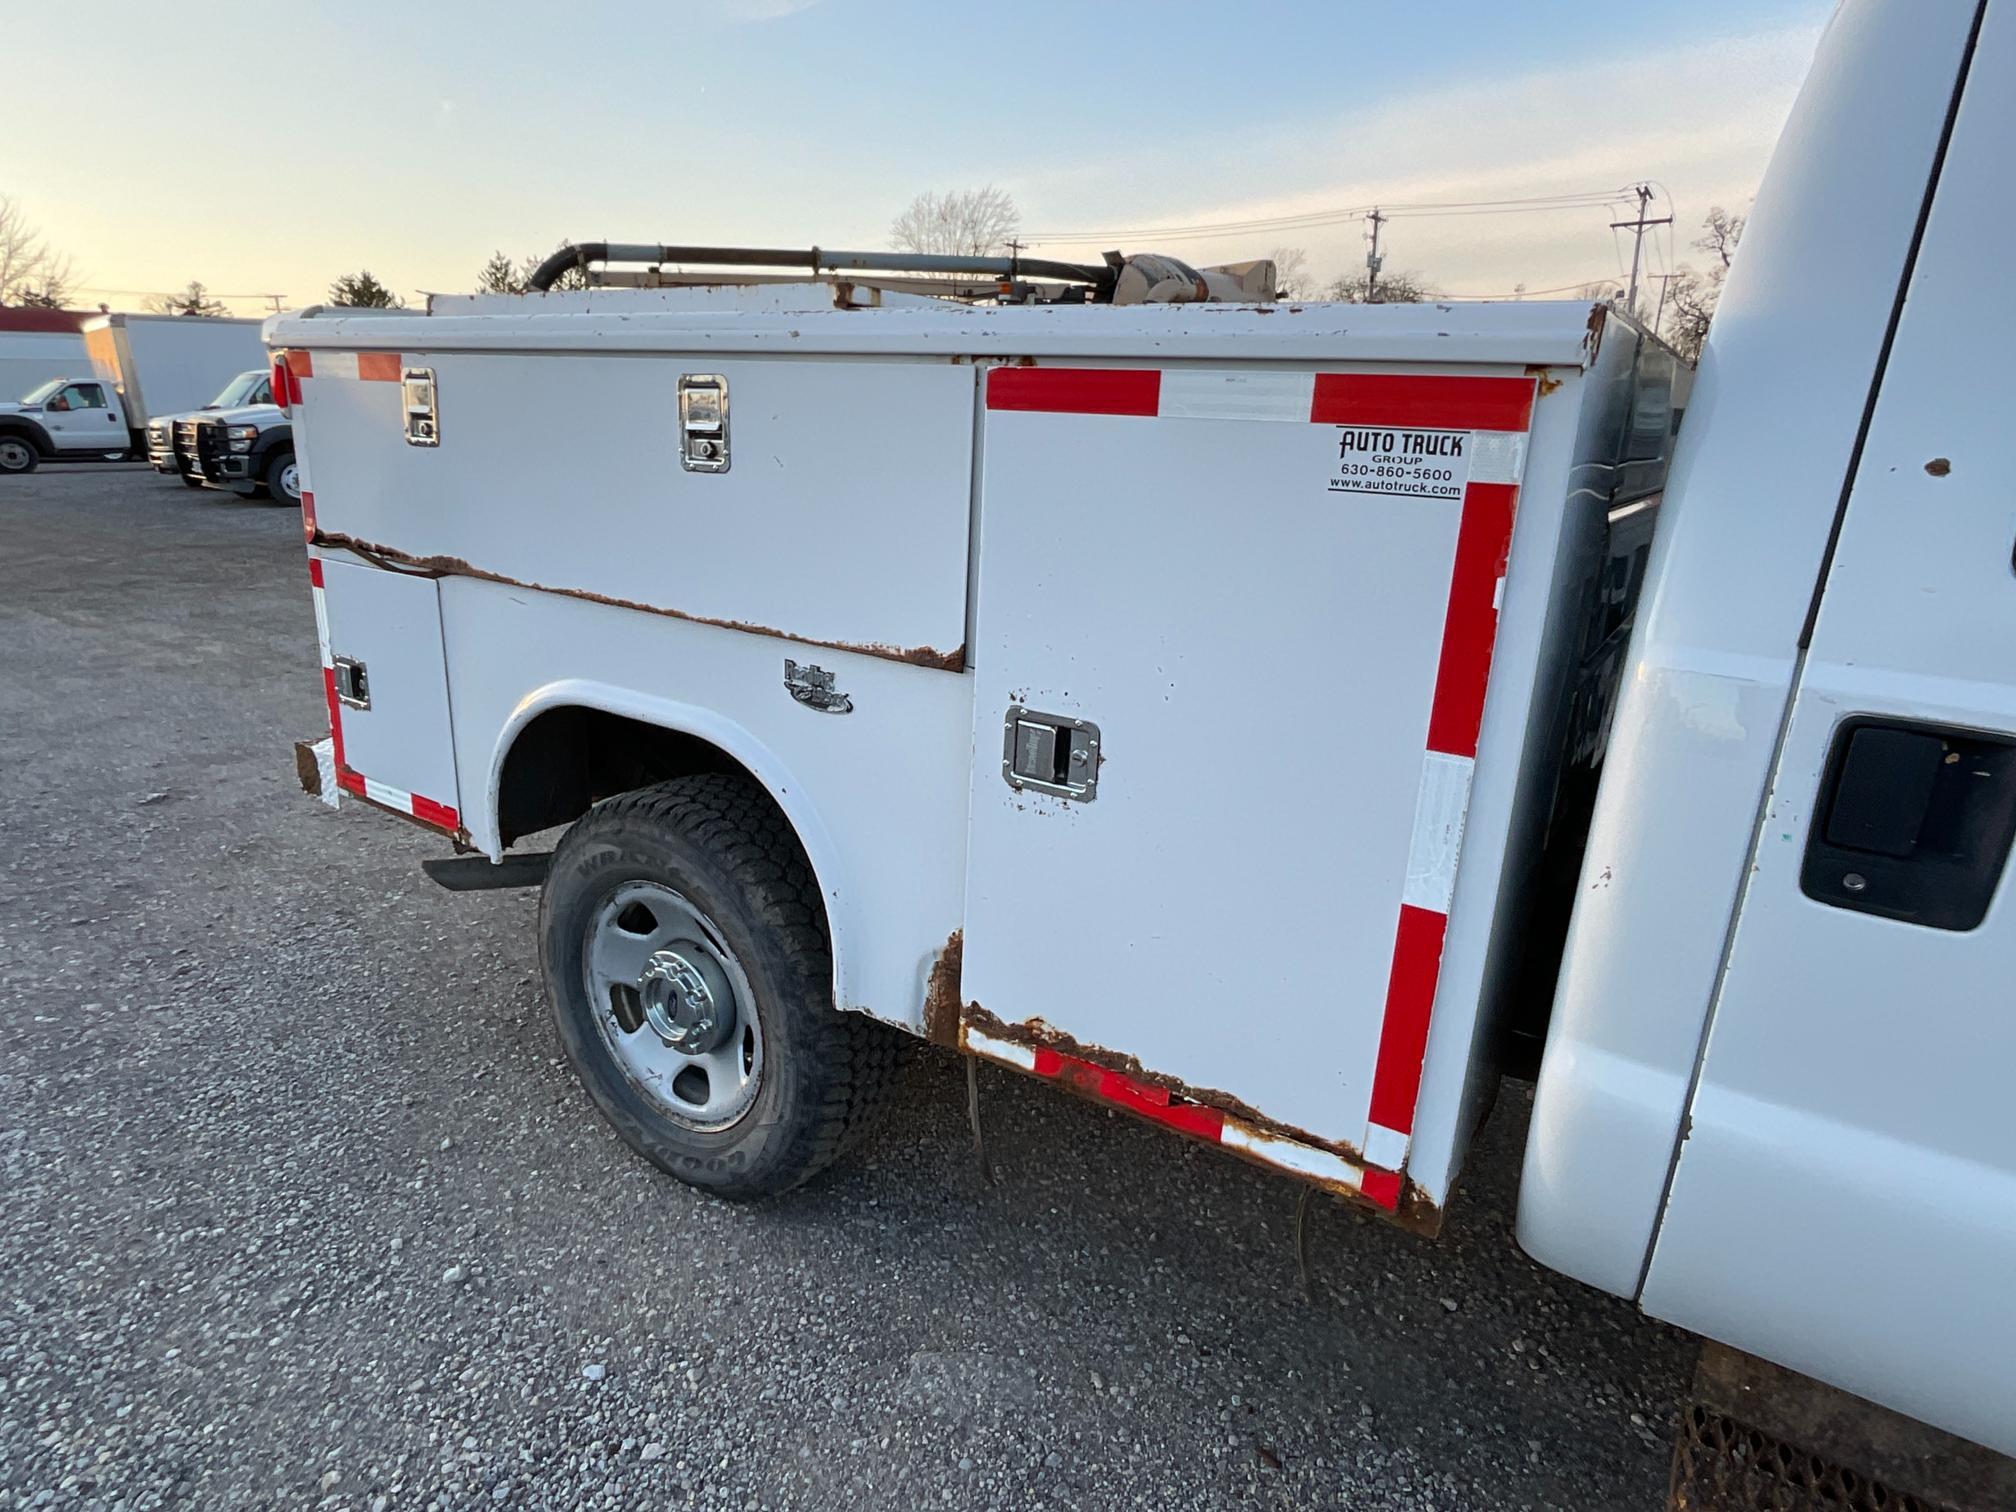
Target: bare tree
194, 300
1600, 292
1691, 296
361, 291
30, 273
1292, 278
961, 222
1392, 288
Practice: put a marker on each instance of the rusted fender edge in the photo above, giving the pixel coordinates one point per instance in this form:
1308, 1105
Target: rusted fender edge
946, 1019
448, 566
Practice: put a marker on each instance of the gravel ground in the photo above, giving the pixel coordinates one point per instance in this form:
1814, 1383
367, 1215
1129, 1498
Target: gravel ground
301, 1208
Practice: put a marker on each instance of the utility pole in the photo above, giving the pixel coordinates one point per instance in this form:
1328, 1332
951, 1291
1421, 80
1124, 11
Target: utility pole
1660, 314
1644, 193
1372, 258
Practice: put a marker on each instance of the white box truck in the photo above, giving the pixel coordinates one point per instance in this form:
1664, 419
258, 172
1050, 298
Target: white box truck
1268, 719
141, 367
37, 345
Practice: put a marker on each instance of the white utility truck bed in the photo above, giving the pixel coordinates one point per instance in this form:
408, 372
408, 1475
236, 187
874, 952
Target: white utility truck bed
1281, 723
1168, 699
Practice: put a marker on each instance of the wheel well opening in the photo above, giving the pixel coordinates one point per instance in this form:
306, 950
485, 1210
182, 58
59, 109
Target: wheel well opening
20, 430
569, 759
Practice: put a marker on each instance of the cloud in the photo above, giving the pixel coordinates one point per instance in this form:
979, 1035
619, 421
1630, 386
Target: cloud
1698, 120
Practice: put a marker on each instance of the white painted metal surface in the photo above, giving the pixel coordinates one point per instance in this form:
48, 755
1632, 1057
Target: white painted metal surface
391, 622
1761, 460
842, 518
1845, 1201
843, 521
877, 797
1260, 657
1554, 332
28, 358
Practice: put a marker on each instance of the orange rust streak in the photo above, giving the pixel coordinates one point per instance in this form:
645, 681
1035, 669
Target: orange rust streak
941, 993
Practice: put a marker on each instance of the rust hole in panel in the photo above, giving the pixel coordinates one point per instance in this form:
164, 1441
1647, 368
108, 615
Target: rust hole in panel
451, 566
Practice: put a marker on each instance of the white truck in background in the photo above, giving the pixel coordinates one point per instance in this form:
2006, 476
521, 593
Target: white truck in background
37, 345
1266, 719
249, 388
140, 367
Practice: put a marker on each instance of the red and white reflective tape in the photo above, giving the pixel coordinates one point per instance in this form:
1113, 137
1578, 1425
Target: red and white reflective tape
1159, 1105
372, 367
1497, 412
426, 810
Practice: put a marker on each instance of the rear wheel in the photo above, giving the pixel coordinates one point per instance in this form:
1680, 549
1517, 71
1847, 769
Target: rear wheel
18, 455
684, 946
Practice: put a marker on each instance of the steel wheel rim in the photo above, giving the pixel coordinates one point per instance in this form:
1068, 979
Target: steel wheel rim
13, 455
645, 948
290, 480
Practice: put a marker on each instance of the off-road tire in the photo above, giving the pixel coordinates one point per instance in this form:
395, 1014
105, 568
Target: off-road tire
717, 841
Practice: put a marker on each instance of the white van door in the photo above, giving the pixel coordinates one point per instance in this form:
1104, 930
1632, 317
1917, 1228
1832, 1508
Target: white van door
1845, 1198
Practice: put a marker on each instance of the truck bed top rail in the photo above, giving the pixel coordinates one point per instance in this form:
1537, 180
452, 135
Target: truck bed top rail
1097, 279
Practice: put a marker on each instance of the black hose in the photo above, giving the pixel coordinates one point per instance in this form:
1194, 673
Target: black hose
573, 255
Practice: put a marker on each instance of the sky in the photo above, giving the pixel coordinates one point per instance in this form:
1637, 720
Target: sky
268, 148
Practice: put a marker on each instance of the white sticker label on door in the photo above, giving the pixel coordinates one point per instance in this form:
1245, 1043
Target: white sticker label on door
1416, 464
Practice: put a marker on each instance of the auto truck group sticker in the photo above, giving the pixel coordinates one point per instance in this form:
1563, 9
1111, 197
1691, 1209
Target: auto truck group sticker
1416, 464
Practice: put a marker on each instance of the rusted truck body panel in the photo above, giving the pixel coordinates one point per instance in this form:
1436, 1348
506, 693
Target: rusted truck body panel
1311, 570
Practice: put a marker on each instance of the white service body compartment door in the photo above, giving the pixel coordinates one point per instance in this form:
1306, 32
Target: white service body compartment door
388, 689
841, 518
1248, 598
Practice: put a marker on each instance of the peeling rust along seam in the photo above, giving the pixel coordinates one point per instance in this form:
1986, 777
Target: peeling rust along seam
1415, 1212
394, 559
941, 993
1040, 1035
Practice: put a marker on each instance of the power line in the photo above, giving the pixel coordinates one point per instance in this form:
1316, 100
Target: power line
1533, 293
1578, 200
219, 294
